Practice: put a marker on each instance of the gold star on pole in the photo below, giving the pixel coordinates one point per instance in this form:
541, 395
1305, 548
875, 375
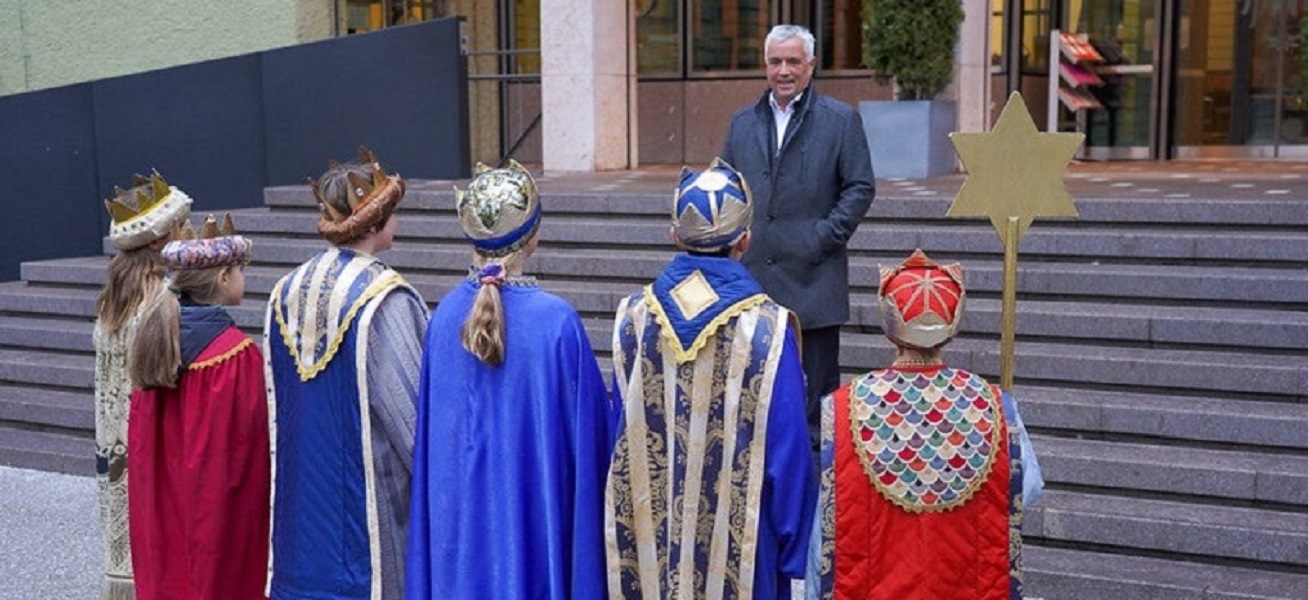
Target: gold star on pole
1014, 174
1014, 171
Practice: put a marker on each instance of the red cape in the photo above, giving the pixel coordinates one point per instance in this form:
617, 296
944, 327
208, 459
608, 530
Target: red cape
198, 477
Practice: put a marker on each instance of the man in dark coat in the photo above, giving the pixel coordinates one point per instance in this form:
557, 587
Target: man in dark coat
806, 159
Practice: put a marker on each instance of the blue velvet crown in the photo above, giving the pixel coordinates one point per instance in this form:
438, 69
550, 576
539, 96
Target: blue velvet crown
712, 208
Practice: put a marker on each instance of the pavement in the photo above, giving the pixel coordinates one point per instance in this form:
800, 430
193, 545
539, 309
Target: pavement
50, 535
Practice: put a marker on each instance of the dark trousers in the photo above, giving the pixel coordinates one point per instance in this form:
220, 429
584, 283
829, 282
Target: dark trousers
821, 351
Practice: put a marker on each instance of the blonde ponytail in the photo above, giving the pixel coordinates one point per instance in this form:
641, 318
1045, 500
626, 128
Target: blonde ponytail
483, 331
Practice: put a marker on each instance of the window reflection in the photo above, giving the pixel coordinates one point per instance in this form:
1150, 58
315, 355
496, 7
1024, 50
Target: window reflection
658, 34
727, 35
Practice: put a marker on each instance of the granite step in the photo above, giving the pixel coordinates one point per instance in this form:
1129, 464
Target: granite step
46, 451
1138, 525
1132, 323
1067, 574
46, 333
1227, 474
48, 407
1229, 421
1195, 371
1182, 213
35, 367
1282, 375
959, 239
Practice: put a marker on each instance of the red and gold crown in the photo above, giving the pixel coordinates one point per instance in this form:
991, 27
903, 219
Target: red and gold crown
921, 301
371, 201
139, 217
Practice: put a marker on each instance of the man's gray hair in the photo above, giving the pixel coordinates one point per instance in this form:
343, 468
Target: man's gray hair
781, 33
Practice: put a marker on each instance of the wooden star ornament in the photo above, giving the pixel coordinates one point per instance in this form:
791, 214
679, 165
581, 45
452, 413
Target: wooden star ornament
1014, 170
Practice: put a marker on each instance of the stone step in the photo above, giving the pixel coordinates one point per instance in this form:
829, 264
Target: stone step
1283, 375
34, 367
46, 451
48, 407
889, 205
1084, 319
1179, 371
1166, 526
1230, 420
1239, 475
875, 237
1067, 574
46, 333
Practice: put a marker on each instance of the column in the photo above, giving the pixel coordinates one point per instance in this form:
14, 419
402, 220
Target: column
972, 68
585, 103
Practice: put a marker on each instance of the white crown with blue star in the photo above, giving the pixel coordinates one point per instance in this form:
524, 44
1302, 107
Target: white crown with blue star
712, 208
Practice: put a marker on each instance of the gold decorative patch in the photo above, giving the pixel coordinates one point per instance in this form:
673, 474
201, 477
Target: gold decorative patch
694, 295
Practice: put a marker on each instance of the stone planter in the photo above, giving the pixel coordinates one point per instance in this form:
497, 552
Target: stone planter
909, 139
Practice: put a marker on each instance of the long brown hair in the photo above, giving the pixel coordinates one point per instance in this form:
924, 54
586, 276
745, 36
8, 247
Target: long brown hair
483, 330
155, 357
133, 276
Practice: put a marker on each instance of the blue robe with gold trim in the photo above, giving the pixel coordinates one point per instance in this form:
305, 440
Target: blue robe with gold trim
711, 490
342, 344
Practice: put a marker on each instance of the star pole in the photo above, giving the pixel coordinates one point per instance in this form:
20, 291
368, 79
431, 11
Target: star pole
1014, 174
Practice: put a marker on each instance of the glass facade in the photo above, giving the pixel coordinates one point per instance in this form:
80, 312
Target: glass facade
1181, 77
1240, 77
725, 37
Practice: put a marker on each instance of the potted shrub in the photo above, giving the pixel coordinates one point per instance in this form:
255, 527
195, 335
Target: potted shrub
911, 42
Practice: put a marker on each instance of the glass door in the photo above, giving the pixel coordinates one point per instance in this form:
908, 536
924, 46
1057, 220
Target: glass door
1239, 79
1126, 33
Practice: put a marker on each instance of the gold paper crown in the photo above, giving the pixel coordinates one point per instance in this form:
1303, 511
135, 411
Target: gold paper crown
124, 207
208, 230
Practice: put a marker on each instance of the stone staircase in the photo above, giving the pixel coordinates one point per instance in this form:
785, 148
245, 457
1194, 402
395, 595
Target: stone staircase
1162, 360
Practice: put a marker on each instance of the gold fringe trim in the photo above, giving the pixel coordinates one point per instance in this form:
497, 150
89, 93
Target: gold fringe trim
306, 373
224, 357
997, 435
681, 354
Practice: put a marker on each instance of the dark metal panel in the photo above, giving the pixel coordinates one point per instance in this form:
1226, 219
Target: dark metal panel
47, 162
200, 125
402, 91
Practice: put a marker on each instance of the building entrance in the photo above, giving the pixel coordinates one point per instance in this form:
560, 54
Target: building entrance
1193, 78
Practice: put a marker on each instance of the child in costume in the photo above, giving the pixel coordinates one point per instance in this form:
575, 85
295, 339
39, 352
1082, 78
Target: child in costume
199, 465
142, 218
711, 490
925, 467
343, 348
513, 433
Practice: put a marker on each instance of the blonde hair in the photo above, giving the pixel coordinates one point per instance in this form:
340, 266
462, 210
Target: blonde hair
134, 275
483, 330
155, 357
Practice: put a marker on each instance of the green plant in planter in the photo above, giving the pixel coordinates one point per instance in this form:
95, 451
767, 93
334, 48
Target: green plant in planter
913, 42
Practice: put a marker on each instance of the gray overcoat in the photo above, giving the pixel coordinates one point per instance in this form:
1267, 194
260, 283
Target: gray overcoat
808, 200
